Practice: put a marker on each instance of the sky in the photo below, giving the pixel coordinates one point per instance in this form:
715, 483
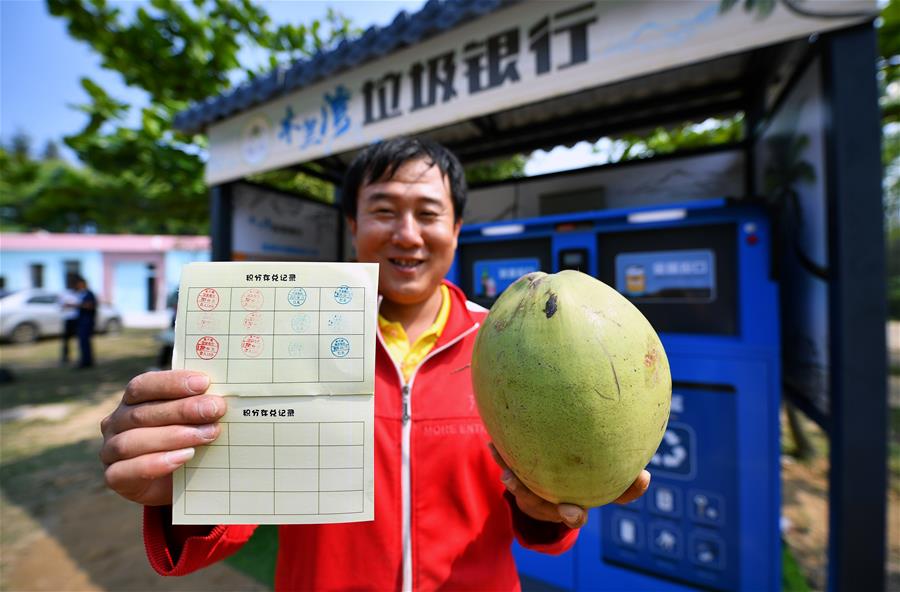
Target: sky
41, 66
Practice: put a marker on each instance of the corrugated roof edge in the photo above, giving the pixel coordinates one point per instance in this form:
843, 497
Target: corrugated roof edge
437, 16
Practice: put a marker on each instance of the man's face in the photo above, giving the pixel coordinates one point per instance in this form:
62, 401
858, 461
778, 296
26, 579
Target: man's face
406, 225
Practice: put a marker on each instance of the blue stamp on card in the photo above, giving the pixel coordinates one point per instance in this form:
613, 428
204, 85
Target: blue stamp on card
297, 296
300, 323
343, 295
340, 347
295, 349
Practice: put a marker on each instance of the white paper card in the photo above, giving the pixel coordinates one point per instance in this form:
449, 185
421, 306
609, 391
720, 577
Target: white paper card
292, 346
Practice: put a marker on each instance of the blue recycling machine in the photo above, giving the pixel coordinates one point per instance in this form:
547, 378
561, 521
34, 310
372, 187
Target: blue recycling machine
701, 273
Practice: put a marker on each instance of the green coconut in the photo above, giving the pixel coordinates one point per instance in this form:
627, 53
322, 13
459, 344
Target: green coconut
573, 386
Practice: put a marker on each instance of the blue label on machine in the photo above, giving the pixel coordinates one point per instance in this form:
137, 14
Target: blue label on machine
685, 526
667, 276
492, 276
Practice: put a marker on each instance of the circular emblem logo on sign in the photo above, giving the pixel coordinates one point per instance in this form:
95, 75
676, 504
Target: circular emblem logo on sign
255, 141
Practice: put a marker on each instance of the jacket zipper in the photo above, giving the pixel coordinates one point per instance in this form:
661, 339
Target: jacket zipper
405, 483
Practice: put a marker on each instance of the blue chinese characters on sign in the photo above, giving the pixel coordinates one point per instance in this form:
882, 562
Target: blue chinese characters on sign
667, 276
492, 276
332, 121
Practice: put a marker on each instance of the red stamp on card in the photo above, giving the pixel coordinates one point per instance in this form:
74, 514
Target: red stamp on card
205, 322
251, 320
207, 348
252, 299
252, 345
208, 299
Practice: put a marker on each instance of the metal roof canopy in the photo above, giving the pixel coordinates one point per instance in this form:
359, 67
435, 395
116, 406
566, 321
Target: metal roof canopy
583, 70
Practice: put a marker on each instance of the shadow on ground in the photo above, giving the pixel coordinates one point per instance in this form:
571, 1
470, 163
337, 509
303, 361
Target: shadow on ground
35, 385
60, 528
90, 533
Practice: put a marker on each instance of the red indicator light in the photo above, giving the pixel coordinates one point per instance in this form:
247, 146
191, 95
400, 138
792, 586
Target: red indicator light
752, 239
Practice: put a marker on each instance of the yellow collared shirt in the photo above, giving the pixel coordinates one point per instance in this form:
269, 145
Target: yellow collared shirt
397, 342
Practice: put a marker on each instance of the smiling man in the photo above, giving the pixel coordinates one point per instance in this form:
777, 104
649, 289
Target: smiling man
446, 510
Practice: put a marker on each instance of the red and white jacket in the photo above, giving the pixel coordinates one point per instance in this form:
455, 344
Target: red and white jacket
442, 517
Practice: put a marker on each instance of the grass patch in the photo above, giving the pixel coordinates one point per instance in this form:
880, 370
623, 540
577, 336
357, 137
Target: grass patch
39, 379
257, 560
792, 579
257, 557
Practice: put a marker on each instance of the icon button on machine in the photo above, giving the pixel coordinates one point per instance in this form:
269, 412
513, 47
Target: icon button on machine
665, 500
707, 550
665, 540
707, 508
627, 530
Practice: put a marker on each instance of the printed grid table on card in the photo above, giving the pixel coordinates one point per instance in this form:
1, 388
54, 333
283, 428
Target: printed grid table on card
291, 468
290, 346
290, 334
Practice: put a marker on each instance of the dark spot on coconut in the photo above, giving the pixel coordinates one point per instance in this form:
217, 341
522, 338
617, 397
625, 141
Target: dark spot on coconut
575, 459
550, 307
534, 279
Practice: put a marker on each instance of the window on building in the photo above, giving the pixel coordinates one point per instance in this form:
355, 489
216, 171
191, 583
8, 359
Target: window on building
71, 269
37, 275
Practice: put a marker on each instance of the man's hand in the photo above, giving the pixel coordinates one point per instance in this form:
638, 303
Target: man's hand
152, 432
540, 509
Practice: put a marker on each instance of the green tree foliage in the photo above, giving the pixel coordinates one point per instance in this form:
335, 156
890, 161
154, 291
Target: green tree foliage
889, 61
51, 151
149, 177
496, 170
685, 136
56, 196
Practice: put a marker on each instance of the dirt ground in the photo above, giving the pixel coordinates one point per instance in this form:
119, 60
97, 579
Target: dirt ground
805, 512
61, 530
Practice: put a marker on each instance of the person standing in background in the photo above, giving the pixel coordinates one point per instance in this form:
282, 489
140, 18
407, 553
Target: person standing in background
87, 314
69, 302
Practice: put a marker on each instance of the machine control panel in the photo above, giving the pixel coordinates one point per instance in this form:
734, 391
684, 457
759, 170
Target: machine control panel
682, 528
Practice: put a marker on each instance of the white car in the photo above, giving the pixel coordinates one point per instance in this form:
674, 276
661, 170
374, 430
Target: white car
27, 315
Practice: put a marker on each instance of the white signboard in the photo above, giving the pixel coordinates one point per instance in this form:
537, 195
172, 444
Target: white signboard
273, 226
516, 56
